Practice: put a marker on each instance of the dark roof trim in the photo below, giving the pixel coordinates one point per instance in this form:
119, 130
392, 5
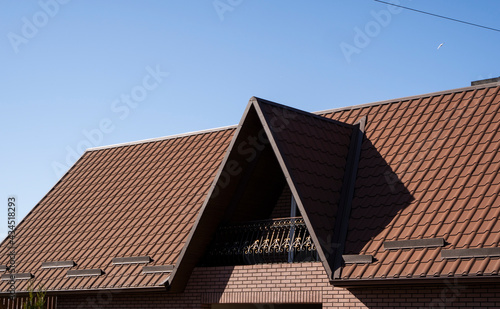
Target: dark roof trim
347, 193
18, 276
84, 272
409, 98
58, 264
157, 269
3, 267
357, 259
414, 243
470, 253
131, 260
352, 283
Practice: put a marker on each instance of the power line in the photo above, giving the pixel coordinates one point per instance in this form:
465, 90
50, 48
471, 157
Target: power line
440, 16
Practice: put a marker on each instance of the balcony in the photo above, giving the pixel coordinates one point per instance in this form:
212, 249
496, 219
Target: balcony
284, 240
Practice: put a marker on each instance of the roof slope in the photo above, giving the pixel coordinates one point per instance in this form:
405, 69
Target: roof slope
132, 200
428, 169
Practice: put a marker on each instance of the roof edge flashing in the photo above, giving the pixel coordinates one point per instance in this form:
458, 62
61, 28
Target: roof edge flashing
415, 281
347, 195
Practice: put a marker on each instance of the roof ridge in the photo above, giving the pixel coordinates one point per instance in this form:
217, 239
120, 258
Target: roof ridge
407, 98
163, 138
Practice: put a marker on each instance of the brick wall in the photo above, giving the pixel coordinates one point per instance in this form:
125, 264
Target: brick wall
289, 283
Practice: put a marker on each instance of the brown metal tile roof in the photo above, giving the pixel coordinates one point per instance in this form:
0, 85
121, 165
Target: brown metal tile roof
428, 168
131, 200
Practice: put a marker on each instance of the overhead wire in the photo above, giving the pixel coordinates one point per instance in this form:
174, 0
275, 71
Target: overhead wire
440, 16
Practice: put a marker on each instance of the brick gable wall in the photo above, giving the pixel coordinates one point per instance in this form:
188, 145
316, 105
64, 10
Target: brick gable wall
288, 283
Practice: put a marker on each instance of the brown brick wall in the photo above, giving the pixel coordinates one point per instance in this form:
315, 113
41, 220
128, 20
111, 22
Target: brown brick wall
289, 283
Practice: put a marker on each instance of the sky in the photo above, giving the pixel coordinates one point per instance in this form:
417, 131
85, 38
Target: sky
78, 74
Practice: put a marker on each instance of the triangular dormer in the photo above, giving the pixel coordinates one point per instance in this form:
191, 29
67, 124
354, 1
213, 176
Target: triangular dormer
279, 156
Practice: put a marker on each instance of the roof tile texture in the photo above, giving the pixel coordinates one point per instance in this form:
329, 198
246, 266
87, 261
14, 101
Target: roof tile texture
428, 169
135, 200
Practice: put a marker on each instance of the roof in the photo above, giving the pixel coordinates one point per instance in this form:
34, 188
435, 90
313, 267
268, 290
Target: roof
427, 172
124, 201
428, 169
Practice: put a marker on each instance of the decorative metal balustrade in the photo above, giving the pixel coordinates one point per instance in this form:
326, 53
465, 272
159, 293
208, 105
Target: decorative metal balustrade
257, 242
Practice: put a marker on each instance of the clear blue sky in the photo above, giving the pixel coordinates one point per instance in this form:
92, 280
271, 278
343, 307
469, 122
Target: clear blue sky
143, 69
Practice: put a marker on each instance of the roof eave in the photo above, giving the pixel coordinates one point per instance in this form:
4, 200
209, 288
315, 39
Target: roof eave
475, 279
91, 291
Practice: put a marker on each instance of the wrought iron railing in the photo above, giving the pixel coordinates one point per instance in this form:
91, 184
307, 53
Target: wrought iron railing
258, 242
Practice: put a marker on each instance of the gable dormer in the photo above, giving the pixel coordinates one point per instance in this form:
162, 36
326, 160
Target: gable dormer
275, 149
